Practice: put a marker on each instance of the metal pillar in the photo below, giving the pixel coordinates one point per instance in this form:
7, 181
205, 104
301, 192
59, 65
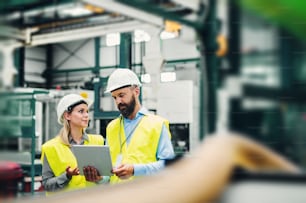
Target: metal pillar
125, 50
234, 16
208, 62
19, 63
49, 63
96, 69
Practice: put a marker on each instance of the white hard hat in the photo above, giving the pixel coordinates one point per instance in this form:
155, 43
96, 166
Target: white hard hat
68, 101
121, 77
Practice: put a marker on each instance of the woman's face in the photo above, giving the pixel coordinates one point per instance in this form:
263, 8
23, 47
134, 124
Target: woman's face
78, 117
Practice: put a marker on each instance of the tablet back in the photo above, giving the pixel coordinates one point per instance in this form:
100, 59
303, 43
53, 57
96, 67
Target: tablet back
93, 155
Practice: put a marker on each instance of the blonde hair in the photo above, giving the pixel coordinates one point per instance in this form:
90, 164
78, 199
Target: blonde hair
64, 133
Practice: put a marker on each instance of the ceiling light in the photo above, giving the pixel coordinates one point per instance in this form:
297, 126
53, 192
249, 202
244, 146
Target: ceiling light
141, 36
76, 11
168, 35
146, 78
168, 77
112, 39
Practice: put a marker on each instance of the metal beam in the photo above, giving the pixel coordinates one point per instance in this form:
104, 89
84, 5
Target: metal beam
155, 10
127, 10
192, 4
23, 5
12, 33
83, 33
96, 69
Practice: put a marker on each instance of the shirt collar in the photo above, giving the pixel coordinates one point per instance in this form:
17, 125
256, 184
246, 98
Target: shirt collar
142, 112
84, 137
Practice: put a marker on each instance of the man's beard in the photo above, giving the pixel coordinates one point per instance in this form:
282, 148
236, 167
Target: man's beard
129, 108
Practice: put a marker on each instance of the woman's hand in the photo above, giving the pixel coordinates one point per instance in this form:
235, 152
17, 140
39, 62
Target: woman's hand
72, 172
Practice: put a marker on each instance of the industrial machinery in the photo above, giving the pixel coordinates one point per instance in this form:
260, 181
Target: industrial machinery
21, 131
177, 102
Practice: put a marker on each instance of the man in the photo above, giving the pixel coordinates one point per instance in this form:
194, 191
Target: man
139, 142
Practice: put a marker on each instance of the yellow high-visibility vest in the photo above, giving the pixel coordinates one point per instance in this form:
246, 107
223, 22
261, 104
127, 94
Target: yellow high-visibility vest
143, 145
59, 156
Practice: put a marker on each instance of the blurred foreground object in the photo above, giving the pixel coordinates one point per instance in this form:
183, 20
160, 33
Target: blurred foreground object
265, 188
11, 176
201, 177
290, 14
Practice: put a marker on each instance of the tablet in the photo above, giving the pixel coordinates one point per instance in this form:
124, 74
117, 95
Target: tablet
97, 156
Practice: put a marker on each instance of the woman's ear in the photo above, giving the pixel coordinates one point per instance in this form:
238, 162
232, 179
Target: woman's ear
66, 116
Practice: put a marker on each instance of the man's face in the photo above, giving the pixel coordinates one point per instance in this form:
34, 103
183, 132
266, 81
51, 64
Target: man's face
125, 100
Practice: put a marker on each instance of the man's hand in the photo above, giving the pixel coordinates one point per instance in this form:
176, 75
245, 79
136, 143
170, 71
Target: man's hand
91, 174
124, 171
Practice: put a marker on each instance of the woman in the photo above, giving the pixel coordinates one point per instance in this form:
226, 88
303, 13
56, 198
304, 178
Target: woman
59, 168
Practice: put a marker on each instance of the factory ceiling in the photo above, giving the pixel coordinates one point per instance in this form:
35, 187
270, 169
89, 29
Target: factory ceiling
37, 22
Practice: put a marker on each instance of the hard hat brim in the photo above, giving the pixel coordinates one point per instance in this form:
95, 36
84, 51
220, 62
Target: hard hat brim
120, 87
